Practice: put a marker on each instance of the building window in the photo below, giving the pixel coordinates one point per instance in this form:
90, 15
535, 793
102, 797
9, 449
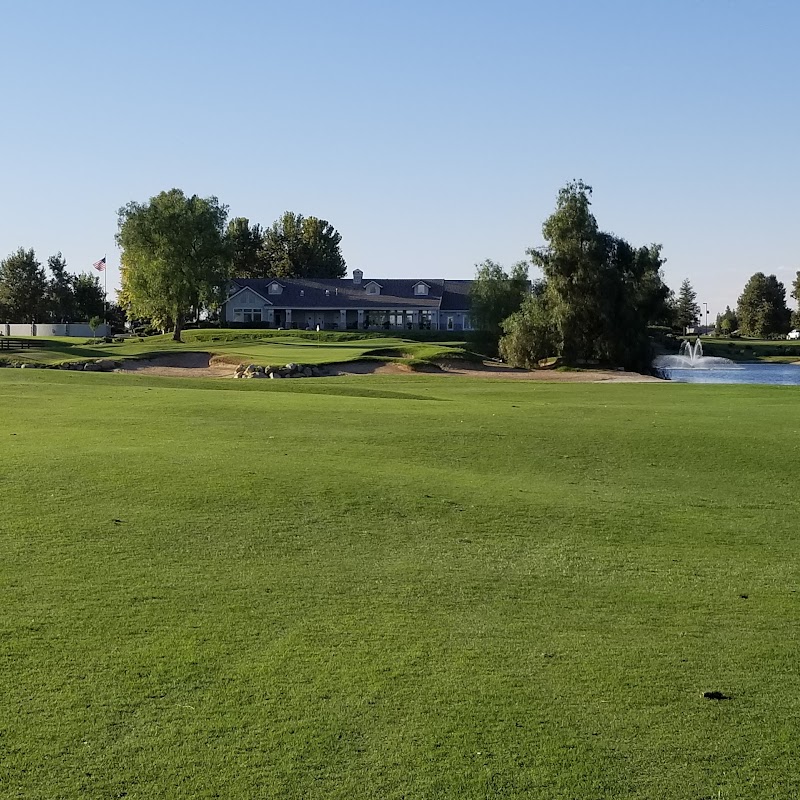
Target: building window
467, 322
421, 288
247, 315
396, 319
373, 288
275, 288
449, 323
425, 320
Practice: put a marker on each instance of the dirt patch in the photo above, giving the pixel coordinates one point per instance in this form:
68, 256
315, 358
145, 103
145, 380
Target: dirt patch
180, 365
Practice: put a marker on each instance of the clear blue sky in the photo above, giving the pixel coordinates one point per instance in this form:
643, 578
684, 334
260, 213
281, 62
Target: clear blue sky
432, 134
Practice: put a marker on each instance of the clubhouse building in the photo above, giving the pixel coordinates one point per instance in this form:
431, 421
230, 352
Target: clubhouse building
348, 304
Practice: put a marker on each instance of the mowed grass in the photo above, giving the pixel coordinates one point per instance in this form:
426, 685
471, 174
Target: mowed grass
252, 346
742, 349
416, 587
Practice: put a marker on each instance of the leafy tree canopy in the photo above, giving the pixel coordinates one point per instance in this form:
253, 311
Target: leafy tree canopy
175, 255
246, 241
762, 310
530, 335
727, 322
496, 294
60, 297
23, 287
89, 298
600, 292
302, 247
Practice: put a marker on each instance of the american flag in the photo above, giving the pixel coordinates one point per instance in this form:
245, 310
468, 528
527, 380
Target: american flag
100, 265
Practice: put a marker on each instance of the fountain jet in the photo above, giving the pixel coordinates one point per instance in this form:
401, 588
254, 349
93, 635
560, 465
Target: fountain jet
691, 357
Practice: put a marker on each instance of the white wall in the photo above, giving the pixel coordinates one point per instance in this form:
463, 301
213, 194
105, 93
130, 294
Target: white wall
78, 329
45, 329
19, 330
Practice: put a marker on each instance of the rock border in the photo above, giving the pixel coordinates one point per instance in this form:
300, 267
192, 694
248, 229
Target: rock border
98, 365
292, 370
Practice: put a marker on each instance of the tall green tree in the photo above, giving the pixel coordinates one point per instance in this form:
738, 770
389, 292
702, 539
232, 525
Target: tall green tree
175, 255
23, 287
496, 294
601, 292
60, 293
89, 298
302, 247
726, 323
688, 311
246, 242
762, 309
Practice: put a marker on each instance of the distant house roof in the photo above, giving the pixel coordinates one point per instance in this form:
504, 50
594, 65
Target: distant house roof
456, 296
343, 293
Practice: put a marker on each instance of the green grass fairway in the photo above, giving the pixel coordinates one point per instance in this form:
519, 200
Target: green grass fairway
256, 346
397, 587
741, 349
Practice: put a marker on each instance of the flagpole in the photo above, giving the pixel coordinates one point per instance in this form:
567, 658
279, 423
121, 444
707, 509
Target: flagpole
105, 293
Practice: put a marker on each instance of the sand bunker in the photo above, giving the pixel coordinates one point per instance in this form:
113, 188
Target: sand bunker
181, 365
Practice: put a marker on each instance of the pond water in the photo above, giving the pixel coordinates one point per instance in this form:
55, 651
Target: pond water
774, 374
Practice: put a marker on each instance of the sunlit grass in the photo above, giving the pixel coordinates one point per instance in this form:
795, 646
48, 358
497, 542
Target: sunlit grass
396, 587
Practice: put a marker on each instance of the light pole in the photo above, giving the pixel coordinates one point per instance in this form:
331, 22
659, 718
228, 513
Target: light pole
706, 307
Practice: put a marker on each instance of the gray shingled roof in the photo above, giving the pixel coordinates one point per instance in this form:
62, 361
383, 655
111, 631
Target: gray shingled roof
342, 293
456, 296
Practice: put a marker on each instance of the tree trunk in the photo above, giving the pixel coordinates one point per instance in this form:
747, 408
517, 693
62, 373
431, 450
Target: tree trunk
176, 337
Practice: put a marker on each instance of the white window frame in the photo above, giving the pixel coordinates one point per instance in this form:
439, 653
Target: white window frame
451, 323
421, 289
275, 288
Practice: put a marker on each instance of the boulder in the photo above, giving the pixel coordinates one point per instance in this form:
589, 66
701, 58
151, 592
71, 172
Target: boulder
24, 366
105, 364
240, 369
307, 372
316, 372
91, 367
275, 375
292, 367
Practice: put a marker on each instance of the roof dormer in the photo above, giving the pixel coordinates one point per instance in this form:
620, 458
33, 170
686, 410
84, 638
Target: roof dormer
275, 288
421, 288
372, 287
